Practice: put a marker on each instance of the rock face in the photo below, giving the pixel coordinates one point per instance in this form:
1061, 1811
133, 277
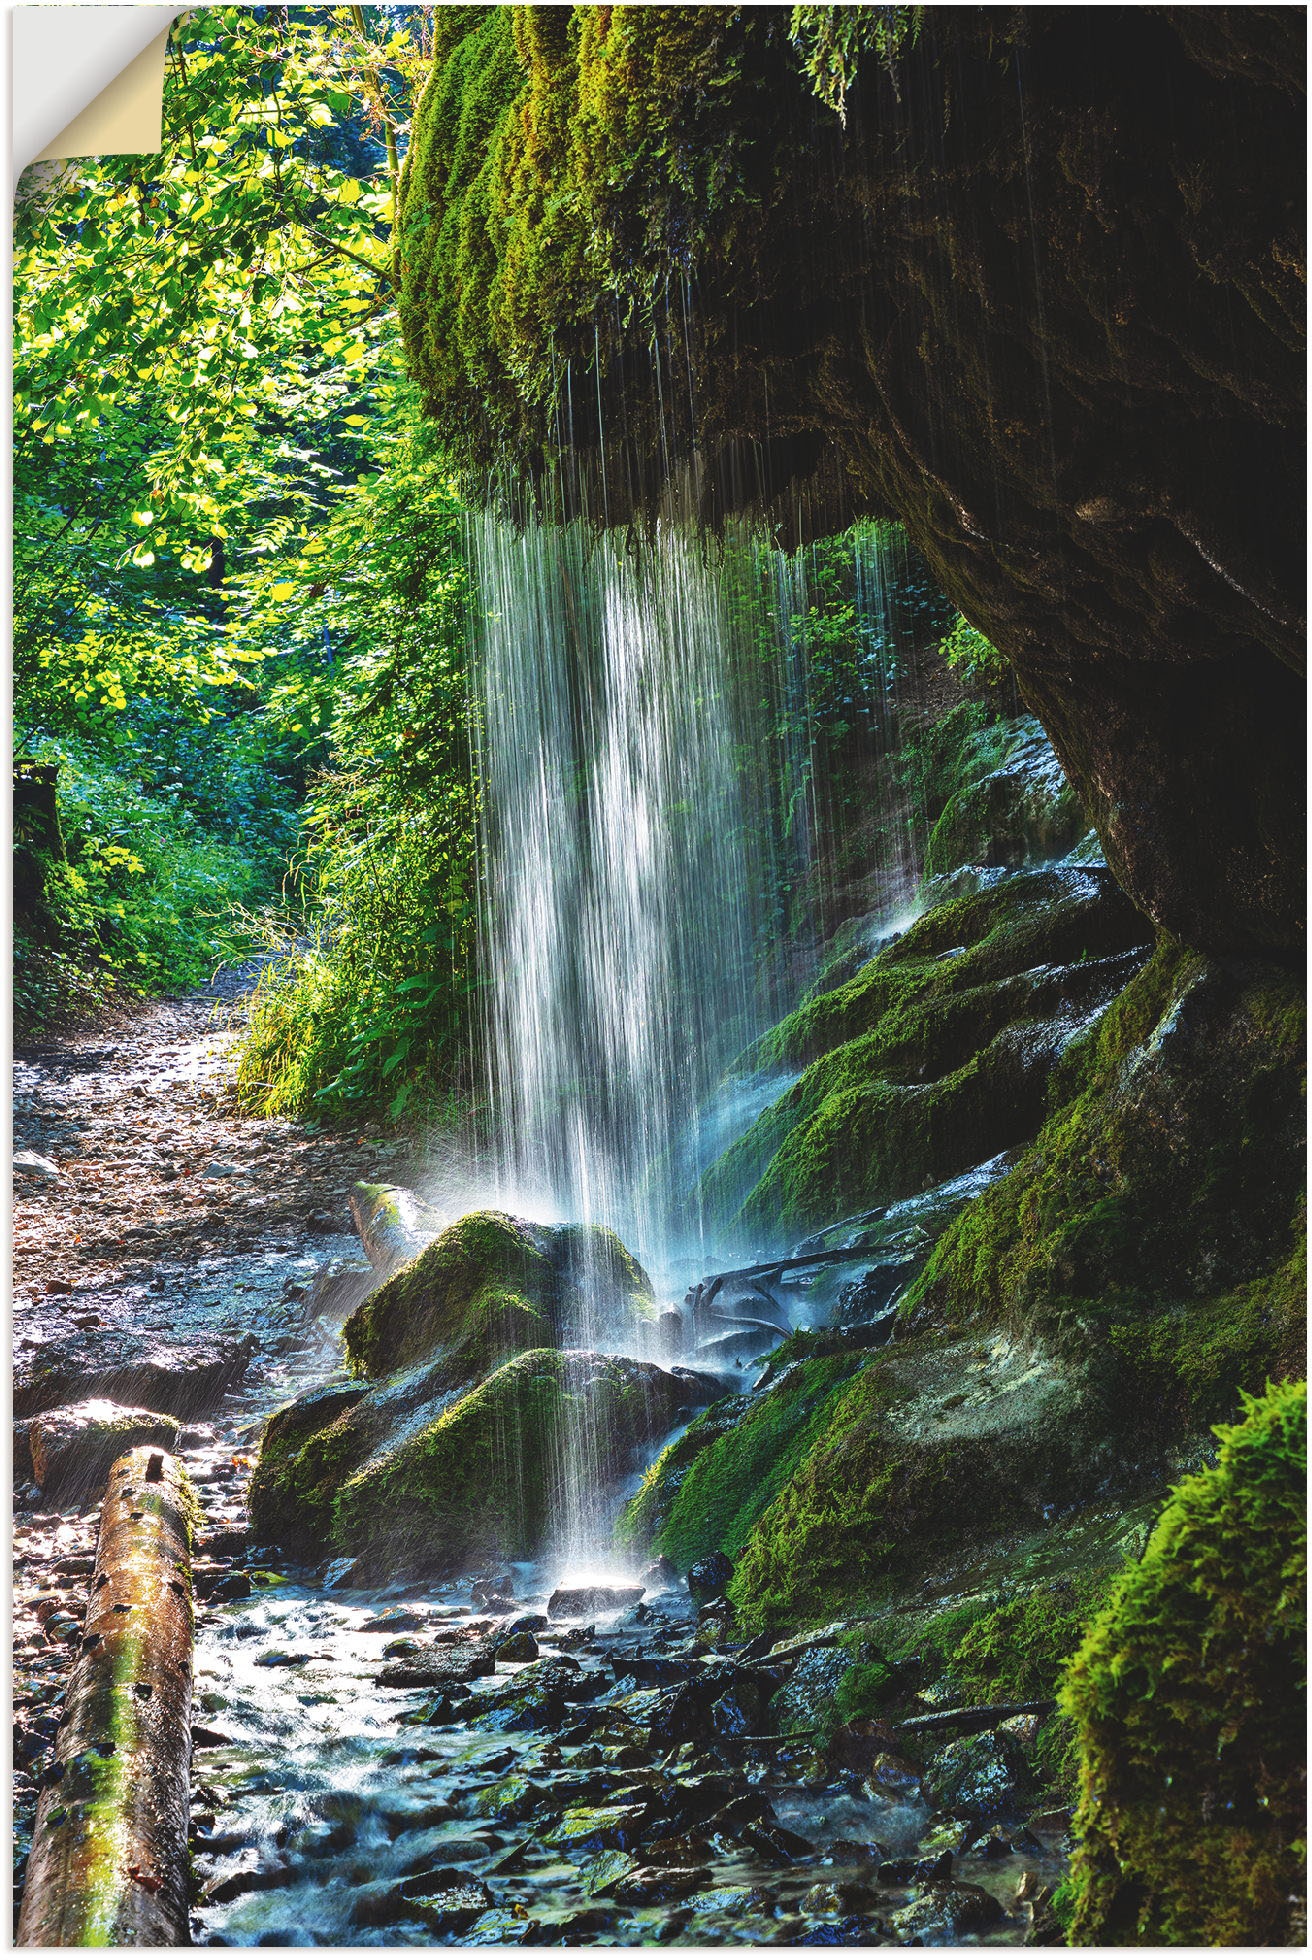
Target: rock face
936, 1055
74, 1448
1009, 298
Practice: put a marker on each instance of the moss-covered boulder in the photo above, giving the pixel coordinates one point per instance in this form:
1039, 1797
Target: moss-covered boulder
490, 1286
413, 1475
492, 1472
1157, 1220
1010, 804
1188, 1702
707, 1489
935, 1056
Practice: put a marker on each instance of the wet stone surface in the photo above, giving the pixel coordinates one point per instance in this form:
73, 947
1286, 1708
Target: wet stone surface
450, 1766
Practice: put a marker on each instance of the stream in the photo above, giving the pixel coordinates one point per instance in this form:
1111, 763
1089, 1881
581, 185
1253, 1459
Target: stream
610, 1779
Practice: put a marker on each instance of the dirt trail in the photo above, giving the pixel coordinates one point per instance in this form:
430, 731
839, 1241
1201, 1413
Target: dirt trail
173, 1219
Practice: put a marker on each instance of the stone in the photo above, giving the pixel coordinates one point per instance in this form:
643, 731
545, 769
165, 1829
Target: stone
976, 1775
578, 1602
182, 1377
40, 1170
519, 1646
956, 1910
439, 1666
708, 1578
74, 1448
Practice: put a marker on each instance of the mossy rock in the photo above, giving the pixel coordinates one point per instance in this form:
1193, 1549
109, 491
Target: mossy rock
303, 1453
934, 1057
1188, 1703
927, 1441
486, 1477
416, 1472
1010, 804
490, 1286
708, 1488
1157, 1219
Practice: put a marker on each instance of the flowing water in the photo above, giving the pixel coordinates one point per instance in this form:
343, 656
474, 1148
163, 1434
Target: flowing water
639, 855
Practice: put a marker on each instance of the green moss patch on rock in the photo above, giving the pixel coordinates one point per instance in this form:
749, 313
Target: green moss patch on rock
1009, 805
926, 1441
488, 1475
490, 1286
1157, 1219
935, 1056
1186, 1698
706, 1491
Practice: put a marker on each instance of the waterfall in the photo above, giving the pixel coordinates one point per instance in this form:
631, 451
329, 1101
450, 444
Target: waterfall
621, 871
655, 727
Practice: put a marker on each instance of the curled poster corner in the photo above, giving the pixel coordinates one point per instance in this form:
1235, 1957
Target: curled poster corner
87, 81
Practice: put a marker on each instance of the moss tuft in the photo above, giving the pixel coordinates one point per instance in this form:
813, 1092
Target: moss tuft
1187, 1699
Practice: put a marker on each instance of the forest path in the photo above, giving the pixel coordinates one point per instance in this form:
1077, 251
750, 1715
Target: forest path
160, 1175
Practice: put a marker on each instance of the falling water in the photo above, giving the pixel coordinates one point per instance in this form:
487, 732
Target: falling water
620, 871
652, 834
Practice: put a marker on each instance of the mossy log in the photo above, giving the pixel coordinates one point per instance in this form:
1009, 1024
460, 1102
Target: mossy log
109, 1849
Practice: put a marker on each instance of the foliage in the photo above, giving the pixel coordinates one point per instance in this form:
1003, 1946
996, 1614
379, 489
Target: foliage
374, 1011
143, 900
831, 41
975, 660
1187, 1698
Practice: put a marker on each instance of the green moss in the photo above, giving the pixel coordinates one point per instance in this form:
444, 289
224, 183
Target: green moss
933, 1058
730, 1481
1188, 1701
485, 1477
1157, 1218
1016, 1651
306, 1451
482, 1287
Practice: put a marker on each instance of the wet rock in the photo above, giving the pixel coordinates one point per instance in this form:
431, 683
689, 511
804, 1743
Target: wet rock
585, 1831
708, 1578
836, 1900
504, 1927
512, 1800
856, 1931
440, 1666
338, 1288
954, 1910
976, 1775
184, 1377
395, 1619
73, 1449
22, 1450
649, 1886
577, 1602
807, 1702
450, 1910
516, 1647
660, 1576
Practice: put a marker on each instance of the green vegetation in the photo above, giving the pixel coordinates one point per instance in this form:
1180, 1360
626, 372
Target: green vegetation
239, 572
731, 1479
1183, 1695
934, 1056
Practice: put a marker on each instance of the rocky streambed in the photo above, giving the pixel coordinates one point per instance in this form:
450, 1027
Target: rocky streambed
479, 1761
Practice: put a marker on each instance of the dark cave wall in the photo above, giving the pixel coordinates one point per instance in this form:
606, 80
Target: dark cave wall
1039, 296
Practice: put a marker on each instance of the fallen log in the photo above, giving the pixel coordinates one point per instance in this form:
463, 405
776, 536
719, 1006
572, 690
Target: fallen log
972, 1719
394, 1225
109, 1847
